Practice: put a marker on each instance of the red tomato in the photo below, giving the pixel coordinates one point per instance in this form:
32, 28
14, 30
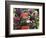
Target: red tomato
24, 15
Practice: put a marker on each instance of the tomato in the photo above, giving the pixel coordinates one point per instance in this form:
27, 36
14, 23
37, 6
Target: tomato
24, 15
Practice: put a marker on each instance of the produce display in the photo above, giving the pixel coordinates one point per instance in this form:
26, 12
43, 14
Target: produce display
25, 18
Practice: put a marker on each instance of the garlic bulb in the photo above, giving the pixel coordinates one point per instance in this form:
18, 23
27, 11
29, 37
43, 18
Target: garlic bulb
28, 21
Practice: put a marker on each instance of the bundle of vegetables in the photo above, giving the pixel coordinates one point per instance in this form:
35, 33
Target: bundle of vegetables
26, 20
